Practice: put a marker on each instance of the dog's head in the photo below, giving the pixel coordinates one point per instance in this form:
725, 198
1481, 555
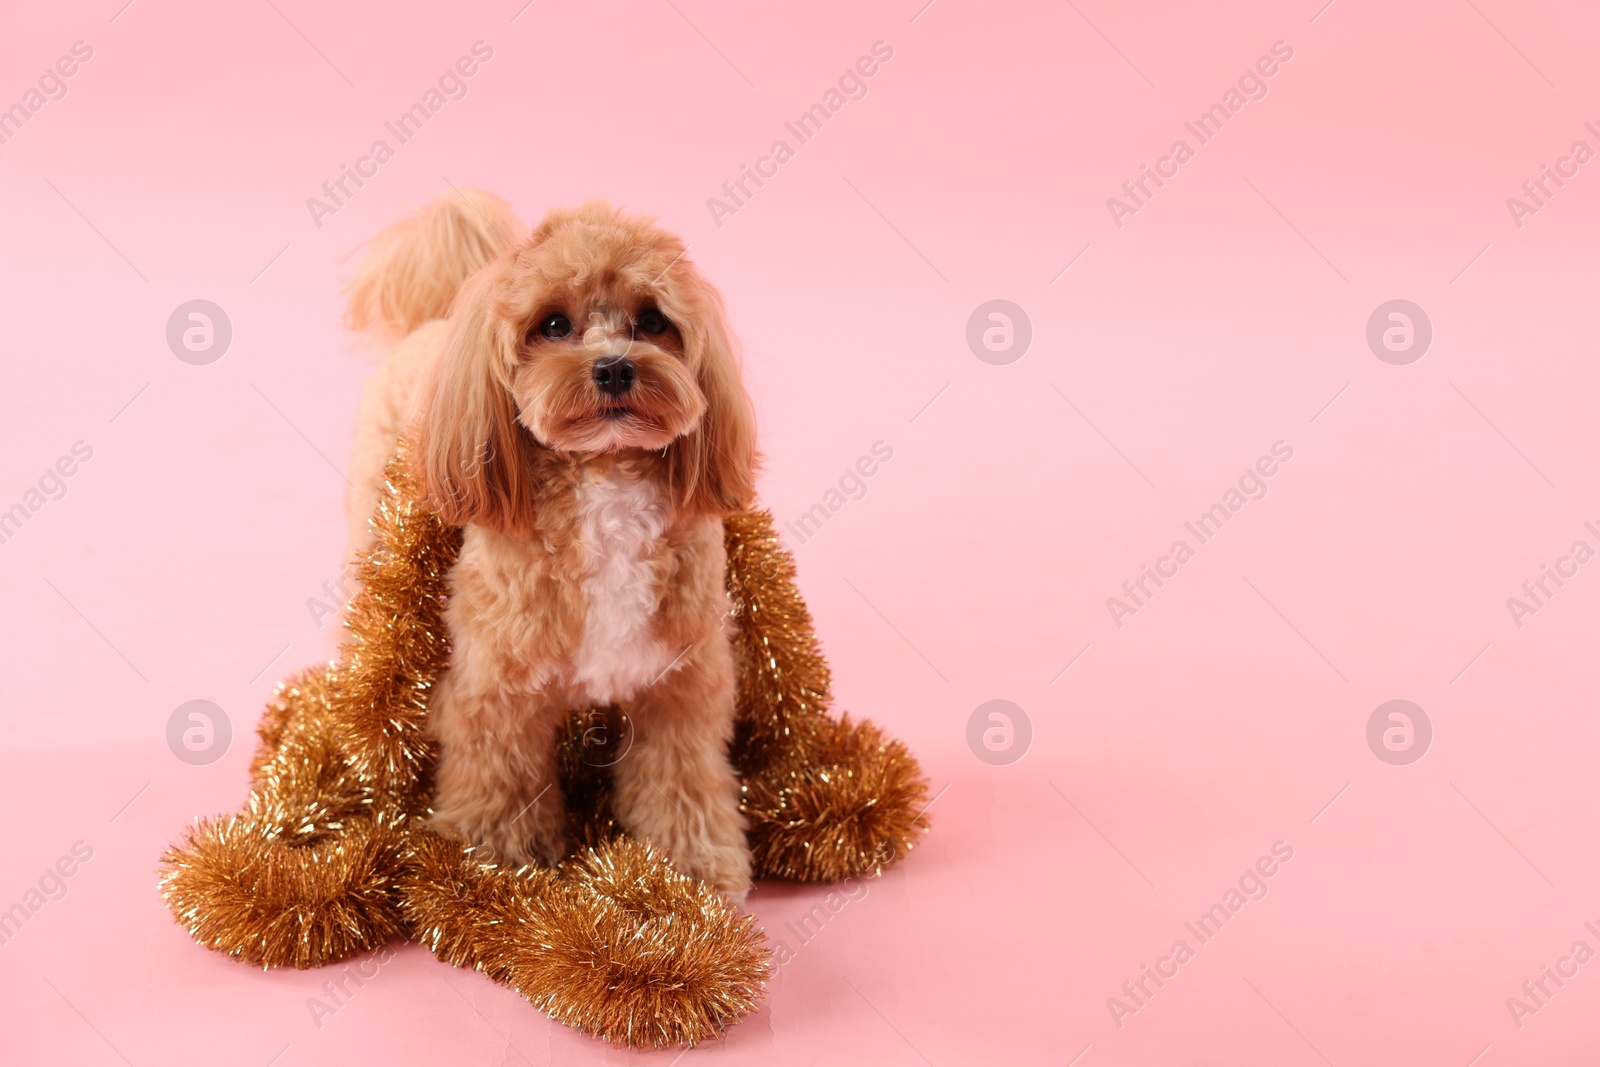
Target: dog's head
595, 335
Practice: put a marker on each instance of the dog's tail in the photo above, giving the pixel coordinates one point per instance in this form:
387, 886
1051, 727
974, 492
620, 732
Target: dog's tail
411, 270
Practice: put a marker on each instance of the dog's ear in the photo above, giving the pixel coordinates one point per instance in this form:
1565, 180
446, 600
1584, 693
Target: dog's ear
712, 468
475, 461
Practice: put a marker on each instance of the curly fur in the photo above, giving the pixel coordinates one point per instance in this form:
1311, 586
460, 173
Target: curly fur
592, 562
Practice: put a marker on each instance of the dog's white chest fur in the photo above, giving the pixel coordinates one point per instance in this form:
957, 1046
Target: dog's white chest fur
621, 523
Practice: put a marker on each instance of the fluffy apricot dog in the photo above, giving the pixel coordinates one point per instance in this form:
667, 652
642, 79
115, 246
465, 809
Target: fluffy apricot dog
580, 413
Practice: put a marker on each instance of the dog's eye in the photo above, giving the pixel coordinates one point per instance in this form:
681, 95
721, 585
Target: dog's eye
555, 326
651, 321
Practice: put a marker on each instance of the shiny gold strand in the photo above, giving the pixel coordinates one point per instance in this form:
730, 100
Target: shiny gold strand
825, 800
242, 892
329, 860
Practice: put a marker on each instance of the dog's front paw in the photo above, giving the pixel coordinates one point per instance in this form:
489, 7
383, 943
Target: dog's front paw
726, 868
512, 845
545, 848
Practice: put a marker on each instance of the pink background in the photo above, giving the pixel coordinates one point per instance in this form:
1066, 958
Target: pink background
1224, 316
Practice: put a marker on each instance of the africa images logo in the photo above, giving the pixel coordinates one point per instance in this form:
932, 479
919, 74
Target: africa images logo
451, 85
852, 85
1252, 85
1251, 886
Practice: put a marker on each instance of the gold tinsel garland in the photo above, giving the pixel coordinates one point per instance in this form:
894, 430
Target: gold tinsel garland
329, 858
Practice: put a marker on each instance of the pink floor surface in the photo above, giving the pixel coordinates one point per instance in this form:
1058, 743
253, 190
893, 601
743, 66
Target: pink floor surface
1439, 864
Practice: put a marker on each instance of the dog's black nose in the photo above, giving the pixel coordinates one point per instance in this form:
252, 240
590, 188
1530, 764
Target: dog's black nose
613, 375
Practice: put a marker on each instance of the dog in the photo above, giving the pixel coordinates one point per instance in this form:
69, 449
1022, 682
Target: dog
574, 402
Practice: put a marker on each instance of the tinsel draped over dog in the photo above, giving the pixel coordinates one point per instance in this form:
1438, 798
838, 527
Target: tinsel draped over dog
330, 857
